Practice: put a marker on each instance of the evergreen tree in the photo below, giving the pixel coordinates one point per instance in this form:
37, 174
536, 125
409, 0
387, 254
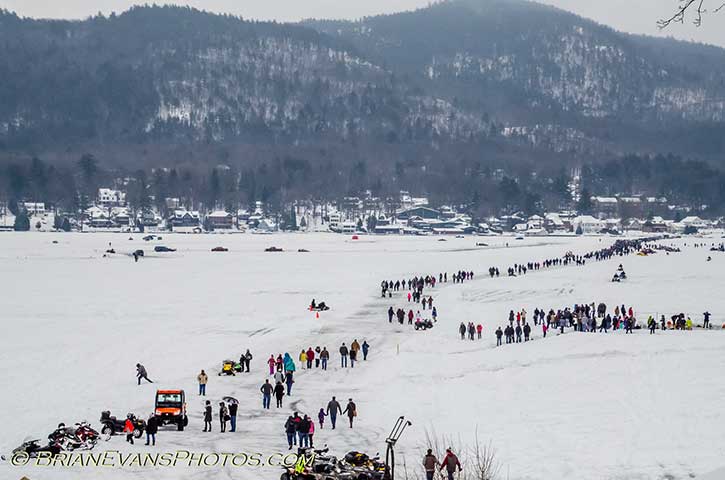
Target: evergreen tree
22, 222
584, 205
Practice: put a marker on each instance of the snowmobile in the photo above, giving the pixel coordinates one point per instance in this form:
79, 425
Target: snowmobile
163, 249
114, 426
33, 448
230, 367
320, 307
273, 249
312, 464
219, 249
362, 467
86, 433
67, 439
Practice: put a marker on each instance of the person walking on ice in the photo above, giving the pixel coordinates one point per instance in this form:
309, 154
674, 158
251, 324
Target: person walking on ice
450, 463
141, 373
430, 462
321, 417
343, 355
351, 410
271, 362
279, 393
333, 408
266, 390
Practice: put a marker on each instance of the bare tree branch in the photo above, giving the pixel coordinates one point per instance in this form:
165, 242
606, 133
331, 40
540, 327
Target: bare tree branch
698, 6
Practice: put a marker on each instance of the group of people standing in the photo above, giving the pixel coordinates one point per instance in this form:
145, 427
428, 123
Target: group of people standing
226, 413
300, 431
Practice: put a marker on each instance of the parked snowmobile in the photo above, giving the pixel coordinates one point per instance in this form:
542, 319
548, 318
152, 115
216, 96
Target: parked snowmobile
67, 439
86, 433
312, 464
114, 426
230, 367
33, 448
320, 307
363, 467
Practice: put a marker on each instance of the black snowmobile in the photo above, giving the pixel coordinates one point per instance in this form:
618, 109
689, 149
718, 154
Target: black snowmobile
320, 307
33, 448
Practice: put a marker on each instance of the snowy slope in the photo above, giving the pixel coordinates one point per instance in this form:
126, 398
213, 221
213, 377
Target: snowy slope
574, 406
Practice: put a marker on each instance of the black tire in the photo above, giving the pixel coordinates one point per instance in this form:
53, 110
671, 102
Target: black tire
138, 433
284, 476
186, 420
107, 430
180, 426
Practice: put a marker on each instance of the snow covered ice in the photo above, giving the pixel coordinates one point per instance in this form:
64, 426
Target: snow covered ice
574, 406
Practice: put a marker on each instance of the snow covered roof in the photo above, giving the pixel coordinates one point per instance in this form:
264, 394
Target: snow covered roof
219, 214
587, 219
179, 213
630, 199
604, 200
554, 218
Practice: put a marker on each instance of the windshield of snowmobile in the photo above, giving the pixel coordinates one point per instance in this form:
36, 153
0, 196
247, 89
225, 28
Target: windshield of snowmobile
168, 399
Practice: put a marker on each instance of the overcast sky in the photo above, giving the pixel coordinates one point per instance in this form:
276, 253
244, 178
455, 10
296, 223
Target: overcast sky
637, 16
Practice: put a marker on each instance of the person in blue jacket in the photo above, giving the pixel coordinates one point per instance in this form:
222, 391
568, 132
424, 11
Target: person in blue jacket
289, 364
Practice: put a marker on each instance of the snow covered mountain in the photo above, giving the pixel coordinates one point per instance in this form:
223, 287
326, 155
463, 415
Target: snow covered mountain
511, 72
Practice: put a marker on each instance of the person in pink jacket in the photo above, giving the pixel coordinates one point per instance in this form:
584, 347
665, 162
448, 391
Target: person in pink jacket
271, 364
544, 328
312, 433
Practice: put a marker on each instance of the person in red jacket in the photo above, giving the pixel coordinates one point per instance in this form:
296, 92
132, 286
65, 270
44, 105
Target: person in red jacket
410, 317
128, 429
479, 329
450, 463
310, 357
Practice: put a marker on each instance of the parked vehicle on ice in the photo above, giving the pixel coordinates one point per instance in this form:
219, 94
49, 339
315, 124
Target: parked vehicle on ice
33, 448
230, 367
170, 408
78, 437
115, 426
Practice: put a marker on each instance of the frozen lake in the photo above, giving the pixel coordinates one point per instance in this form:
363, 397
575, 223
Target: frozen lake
574, 406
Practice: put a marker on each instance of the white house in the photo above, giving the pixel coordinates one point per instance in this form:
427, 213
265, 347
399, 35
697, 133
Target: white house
34, 208
536, 222
554, 223
588, 224
266, 225
694, 221
111, 198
